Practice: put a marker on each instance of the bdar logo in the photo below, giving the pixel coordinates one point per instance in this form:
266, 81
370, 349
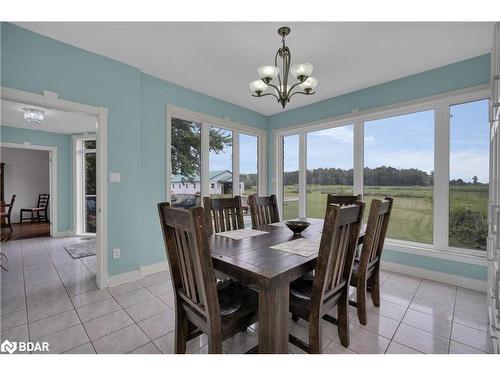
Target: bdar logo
8, 346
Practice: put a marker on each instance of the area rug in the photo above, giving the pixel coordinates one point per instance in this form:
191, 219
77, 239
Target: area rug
82, 248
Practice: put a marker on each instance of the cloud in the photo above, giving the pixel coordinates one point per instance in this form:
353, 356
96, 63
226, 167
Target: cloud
344, 134
467, 163
370, 140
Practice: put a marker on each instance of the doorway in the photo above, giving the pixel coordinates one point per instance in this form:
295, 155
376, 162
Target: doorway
94, 211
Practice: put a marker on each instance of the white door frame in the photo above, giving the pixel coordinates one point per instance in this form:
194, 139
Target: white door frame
50, 99
52, 178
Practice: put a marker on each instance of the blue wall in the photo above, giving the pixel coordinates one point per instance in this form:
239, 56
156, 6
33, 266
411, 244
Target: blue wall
63, 143
467, 73
136, 135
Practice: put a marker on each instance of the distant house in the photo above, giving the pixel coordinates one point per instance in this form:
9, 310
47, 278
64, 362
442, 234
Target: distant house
220, 182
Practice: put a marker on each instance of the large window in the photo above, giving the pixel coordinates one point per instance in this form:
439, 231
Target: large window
207, 156
399, 162
185, 181
469, 175
403, 153
290, 177
221, 163
329, 167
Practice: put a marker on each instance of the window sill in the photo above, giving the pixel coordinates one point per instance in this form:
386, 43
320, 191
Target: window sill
457, 255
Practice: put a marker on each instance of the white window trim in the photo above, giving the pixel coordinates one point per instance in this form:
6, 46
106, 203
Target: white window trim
206, 121
440, 104
79, 181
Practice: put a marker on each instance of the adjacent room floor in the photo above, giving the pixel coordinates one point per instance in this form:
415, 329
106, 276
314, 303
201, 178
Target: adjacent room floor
26, 230
48, 296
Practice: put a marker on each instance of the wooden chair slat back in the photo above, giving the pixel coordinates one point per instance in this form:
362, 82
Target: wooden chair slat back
343, 200
376, 229
193, 276
263, 210
337, 250
11, 206
223, 214
43, 200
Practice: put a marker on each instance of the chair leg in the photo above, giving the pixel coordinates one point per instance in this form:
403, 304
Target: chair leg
375, 284
315, 336
214, 344
361, 300
10, 225
181, 331
295, 317
343, 318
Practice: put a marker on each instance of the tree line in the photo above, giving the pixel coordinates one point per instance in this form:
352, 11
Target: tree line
380, 176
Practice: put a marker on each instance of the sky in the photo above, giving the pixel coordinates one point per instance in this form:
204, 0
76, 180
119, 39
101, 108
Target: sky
405, 141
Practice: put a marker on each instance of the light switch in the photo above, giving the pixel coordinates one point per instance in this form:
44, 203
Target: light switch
114, 177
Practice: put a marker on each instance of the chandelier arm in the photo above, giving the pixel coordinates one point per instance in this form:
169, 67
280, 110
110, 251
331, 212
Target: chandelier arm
273, 86
286, 66
276, 65
298, 83
301, 92
267, 94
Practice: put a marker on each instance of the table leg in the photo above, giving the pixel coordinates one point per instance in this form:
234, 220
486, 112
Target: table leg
273, 320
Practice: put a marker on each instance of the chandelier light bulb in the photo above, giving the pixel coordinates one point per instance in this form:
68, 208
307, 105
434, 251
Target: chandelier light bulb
302, 71
258, 87
268, 72
309, 84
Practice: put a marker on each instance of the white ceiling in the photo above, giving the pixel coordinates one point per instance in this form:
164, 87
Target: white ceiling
56, 121
220, 59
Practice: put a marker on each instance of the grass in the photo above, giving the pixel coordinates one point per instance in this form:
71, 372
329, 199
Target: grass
412, 215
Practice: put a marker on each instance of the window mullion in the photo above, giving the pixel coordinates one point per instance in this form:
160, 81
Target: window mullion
358, 157
236, 163
302, 173
205, 151
441, 174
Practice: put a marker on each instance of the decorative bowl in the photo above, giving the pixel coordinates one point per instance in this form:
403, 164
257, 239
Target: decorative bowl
296, 226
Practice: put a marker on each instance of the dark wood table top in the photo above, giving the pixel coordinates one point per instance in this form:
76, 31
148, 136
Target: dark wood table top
253, 261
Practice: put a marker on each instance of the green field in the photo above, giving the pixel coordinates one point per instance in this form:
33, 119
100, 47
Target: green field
412, 215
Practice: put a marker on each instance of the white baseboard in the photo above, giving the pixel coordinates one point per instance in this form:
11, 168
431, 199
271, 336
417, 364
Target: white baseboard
464, 282
64, 233
137, 274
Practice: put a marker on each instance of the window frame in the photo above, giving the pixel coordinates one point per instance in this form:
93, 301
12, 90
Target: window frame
440, 104
79, 181
225, 123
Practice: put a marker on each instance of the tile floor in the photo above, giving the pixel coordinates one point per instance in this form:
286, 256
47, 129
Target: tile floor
48, 296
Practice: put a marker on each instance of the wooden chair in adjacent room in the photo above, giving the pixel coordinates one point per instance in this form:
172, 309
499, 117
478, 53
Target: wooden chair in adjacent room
201, 306
40, 212
5, 216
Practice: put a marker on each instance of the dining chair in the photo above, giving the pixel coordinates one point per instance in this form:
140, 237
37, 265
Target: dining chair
366, 270
311, 299
41, 209
343, 199
201, 306
263, 210
223, 214
5, 216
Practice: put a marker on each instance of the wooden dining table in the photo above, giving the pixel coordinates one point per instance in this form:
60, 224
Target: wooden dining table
254, 262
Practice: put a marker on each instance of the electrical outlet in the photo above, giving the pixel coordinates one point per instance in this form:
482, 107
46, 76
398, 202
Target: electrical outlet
116, 253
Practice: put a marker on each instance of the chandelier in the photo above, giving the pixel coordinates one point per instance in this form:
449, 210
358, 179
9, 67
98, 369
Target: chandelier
283, 92
34, 116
